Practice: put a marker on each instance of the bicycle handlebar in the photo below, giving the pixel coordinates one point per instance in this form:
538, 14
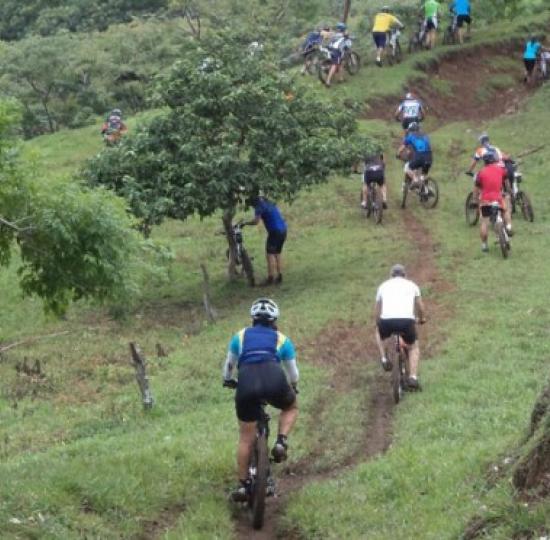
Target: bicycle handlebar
230, 383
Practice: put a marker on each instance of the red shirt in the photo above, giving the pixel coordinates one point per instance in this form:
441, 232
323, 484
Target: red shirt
491, 182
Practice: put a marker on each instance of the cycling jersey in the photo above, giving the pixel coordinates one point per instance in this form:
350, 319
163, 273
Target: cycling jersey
491, 180
460, 7
270, 215
397, 296
384, 21
431, 8
532, 49
340, 42
419, 142
410, 108
312, 39
259, 343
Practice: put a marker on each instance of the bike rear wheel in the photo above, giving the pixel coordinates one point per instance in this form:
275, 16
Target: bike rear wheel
323, 70
396, 378
353, 63
471, 210
526, 207
259, 488
398, 53
378, 209
248, 269
429, 193
502, 239
405, 193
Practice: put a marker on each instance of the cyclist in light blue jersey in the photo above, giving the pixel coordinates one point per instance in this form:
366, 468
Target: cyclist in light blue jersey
462, 11
530, 56
419, 147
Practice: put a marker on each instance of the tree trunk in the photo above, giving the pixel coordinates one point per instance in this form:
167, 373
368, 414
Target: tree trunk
347, 7
227, 221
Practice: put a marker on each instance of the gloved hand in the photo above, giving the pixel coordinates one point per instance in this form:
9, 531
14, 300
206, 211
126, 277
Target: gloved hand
229, 383
295, 387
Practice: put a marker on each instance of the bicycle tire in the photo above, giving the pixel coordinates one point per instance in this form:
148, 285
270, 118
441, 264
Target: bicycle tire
398, 53
312, 67
323, 69
430, 199
378, 208
404, 195
471, 210
396, 386
353, 63
503, 242
390, 57
526, 206
259, 488
248, 269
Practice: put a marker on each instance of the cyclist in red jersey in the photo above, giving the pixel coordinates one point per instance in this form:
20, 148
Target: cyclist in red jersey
489, 187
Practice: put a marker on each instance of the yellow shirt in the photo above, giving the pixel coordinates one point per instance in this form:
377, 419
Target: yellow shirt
384, 21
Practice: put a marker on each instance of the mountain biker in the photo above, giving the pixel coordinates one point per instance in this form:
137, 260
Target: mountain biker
398, 304
431, 22
374, 172
462, 11
489, 187
309, 46
505, 162
410, 110
338, 45
530, 55
266, 362
113, 128
276, 228
419, 148
383, 23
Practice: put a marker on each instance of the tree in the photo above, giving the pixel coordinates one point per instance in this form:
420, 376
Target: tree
71, 243
233, 125
347, 8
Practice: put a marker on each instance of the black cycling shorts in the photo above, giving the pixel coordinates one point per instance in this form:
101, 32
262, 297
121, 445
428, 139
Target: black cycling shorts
461, 19
408, 121
380, 39
421, 160
263, 381
430, 24
406, 328
275, 241
487, 210
374, 176
529, 65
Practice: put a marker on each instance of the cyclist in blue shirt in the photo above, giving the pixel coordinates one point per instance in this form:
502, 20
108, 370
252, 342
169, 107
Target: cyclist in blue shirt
530, 55
266, 362
462, 12
419, 148
276, 228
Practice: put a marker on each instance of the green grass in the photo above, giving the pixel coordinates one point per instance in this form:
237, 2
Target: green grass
81, 460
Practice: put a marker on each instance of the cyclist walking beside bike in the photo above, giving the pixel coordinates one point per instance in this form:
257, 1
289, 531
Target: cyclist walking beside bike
266, 362
418, 146
431, 22
383, 23
398, 304
276, 235
410, 110
488, 189
339, 43
461, 10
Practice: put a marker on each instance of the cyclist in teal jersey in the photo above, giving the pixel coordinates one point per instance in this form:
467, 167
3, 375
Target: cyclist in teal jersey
266, 362
530, 55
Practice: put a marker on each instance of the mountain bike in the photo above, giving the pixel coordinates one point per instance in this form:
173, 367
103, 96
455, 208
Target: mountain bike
427, 191
417, 42
395, 54
374, 207
398, 355
262, 483
314, 57
450, 36
242, 259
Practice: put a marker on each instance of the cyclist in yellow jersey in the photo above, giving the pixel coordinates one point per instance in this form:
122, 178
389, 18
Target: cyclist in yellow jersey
383, 23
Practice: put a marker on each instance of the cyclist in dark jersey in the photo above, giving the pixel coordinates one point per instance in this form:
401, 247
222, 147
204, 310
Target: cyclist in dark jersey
374, 171
266, 361
276, 228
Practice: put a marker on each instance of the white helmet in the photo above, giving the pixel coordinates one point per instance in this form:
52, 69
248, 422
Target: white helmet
409, 96
264, 308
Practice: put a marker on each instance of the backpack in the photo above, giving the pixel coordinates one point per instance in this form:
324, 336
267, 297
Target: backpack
313, 38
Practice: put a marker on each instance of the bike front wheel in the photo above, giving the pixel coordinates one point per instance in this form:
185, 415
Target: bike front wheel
404, 194
526, 207
471, 210
323, 70
398, 53
429, 193
378, 208
353, 63
502, 239
259, 487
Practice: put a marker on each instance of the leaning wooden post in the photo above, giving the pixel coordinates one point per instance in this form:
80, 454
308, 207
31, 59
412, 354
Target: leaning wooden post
139, 363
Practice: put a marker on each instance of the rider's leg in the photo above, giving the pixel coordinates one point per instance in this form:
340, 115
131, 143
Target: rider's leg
247, 434
271, 266
384, 192
365, 195
414, 359
484, 232
287, 419
331, 73
381, 344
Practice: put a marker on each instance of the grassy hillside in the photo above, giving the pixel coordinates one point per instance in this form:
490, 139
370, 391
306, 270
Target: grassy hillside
81, 460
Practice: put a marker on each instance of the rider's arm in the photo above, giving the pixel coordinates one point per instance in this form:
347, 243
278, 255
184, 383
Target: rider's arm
398, 111
377, 309
287, 354
232, 357
397, 22
401, 149
420, 309
254, 221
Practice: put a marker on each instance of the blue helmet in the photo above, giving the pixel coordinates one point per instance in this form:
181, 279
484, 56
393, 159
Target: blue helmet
341, 26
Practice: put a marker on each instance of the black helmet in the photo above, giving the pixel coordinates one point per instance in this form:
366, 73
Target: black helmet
490, 156
398, 270
116, 112
386, 9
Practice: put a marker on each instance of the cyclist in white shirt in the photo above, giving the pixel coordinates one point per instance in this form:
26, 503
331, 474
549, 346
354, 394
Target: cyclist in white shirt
410, 110
398, 304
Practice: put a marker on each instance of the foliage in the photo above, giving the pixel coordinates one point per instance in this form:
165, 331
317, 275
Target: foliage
233, 126
72, 243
